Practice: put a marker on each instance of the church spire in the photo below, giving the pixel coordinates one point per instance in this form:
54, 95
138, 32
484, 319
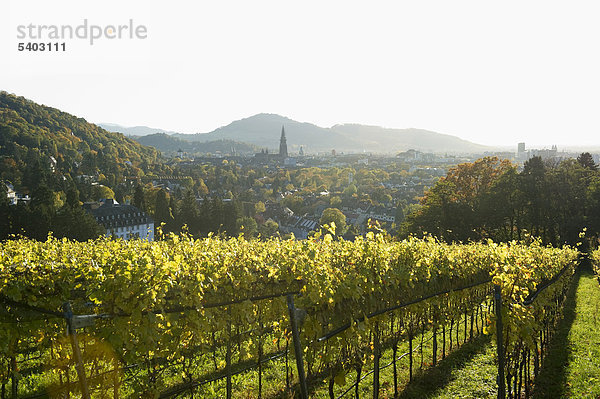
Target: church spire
283, 152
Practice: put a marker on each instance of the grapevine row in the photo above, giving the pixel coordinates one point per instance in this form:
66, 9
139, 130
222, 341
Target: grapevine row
595, 258
155, 297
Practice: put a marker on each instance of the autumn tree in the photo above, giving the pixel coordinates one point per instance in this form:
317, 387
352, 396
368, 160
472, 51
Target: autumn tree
334, 215
452, 207
268, 229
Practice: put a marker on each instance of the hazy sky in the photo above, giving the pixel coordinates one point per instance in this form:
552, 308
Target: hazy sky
489, 72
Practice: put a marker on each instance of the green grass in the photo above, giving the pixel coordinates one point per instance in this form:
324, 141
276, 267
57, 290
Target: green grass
467, 373
572, 366
428, 380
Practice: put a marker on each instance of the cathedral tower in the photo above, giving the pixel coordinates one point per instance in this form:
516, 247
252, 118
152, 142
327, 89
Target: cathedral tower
283, 153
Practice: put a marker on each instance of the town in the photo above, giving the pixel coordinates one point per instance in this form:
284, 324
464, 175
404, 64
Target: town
268, 193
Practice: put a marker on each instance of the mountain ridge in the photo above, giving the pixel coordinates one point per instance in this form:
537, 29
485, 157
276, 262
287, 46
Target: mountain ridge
134, 130
263, 130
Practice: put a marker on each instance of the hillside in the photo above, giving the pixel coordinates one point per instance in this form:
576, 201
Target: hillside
376, 138
169, 145
133, 130
263, 130
36, 139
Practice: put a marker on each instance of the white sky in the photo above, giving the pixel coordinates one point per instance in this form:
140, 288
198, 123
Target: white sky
489, 72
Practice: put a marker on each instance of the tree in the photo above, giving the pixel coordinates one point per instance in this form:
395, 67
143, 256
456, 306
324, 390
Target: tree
100, 191
502, 208
268, 229
381, 196
188, 182
335, 202
442, 215
188, 212
76, 224
452, 207
73, 197
162, 212
4, 212
139, 200
202, 189
567, 202
334, 215
296, 203
400, 215
586, 160
247, 225
216, 216
534, 185
593, 207
259, 207
231, 213
42, 209
173, 208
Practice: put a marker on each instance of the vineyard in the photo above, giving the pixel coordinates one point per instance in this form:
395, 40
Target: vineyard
237, 318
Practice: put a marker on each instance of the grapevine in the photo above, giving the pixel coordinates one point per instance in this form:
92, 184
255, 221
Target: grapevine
155, 297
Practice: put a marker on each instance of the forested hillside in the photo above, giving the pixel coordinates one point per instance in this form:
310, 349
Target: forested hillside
36, 140
169, 145
60, 161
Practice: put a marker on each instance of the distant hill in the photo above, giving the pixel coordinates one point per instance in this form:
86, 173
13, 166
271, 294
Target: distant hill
169, 145
134, 130
264, 130
37, 140
375, 138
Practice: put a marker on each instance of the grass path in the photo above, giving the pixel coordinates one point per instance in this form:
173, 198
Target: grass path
572, 368
468, 373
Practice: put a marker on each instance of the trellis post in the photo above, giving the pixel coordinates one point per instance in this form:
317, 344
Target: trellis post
68, 312
499, 348
297, 346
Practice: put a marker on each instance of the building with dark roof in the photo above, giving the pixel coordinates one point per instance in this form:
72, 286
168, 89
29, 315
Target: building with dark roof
121, 221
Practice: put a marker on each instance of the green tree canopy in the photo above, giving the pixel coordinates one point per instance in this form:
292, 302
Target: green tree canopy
334, 215
162, 212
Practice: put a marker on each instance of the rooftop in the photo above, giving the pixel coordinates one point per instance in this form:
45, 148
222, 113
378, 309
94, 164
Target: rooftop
112, 214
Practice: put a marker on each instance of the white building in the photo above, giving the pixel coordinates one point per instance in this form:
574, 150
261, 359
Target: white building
122, 221
14, 197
